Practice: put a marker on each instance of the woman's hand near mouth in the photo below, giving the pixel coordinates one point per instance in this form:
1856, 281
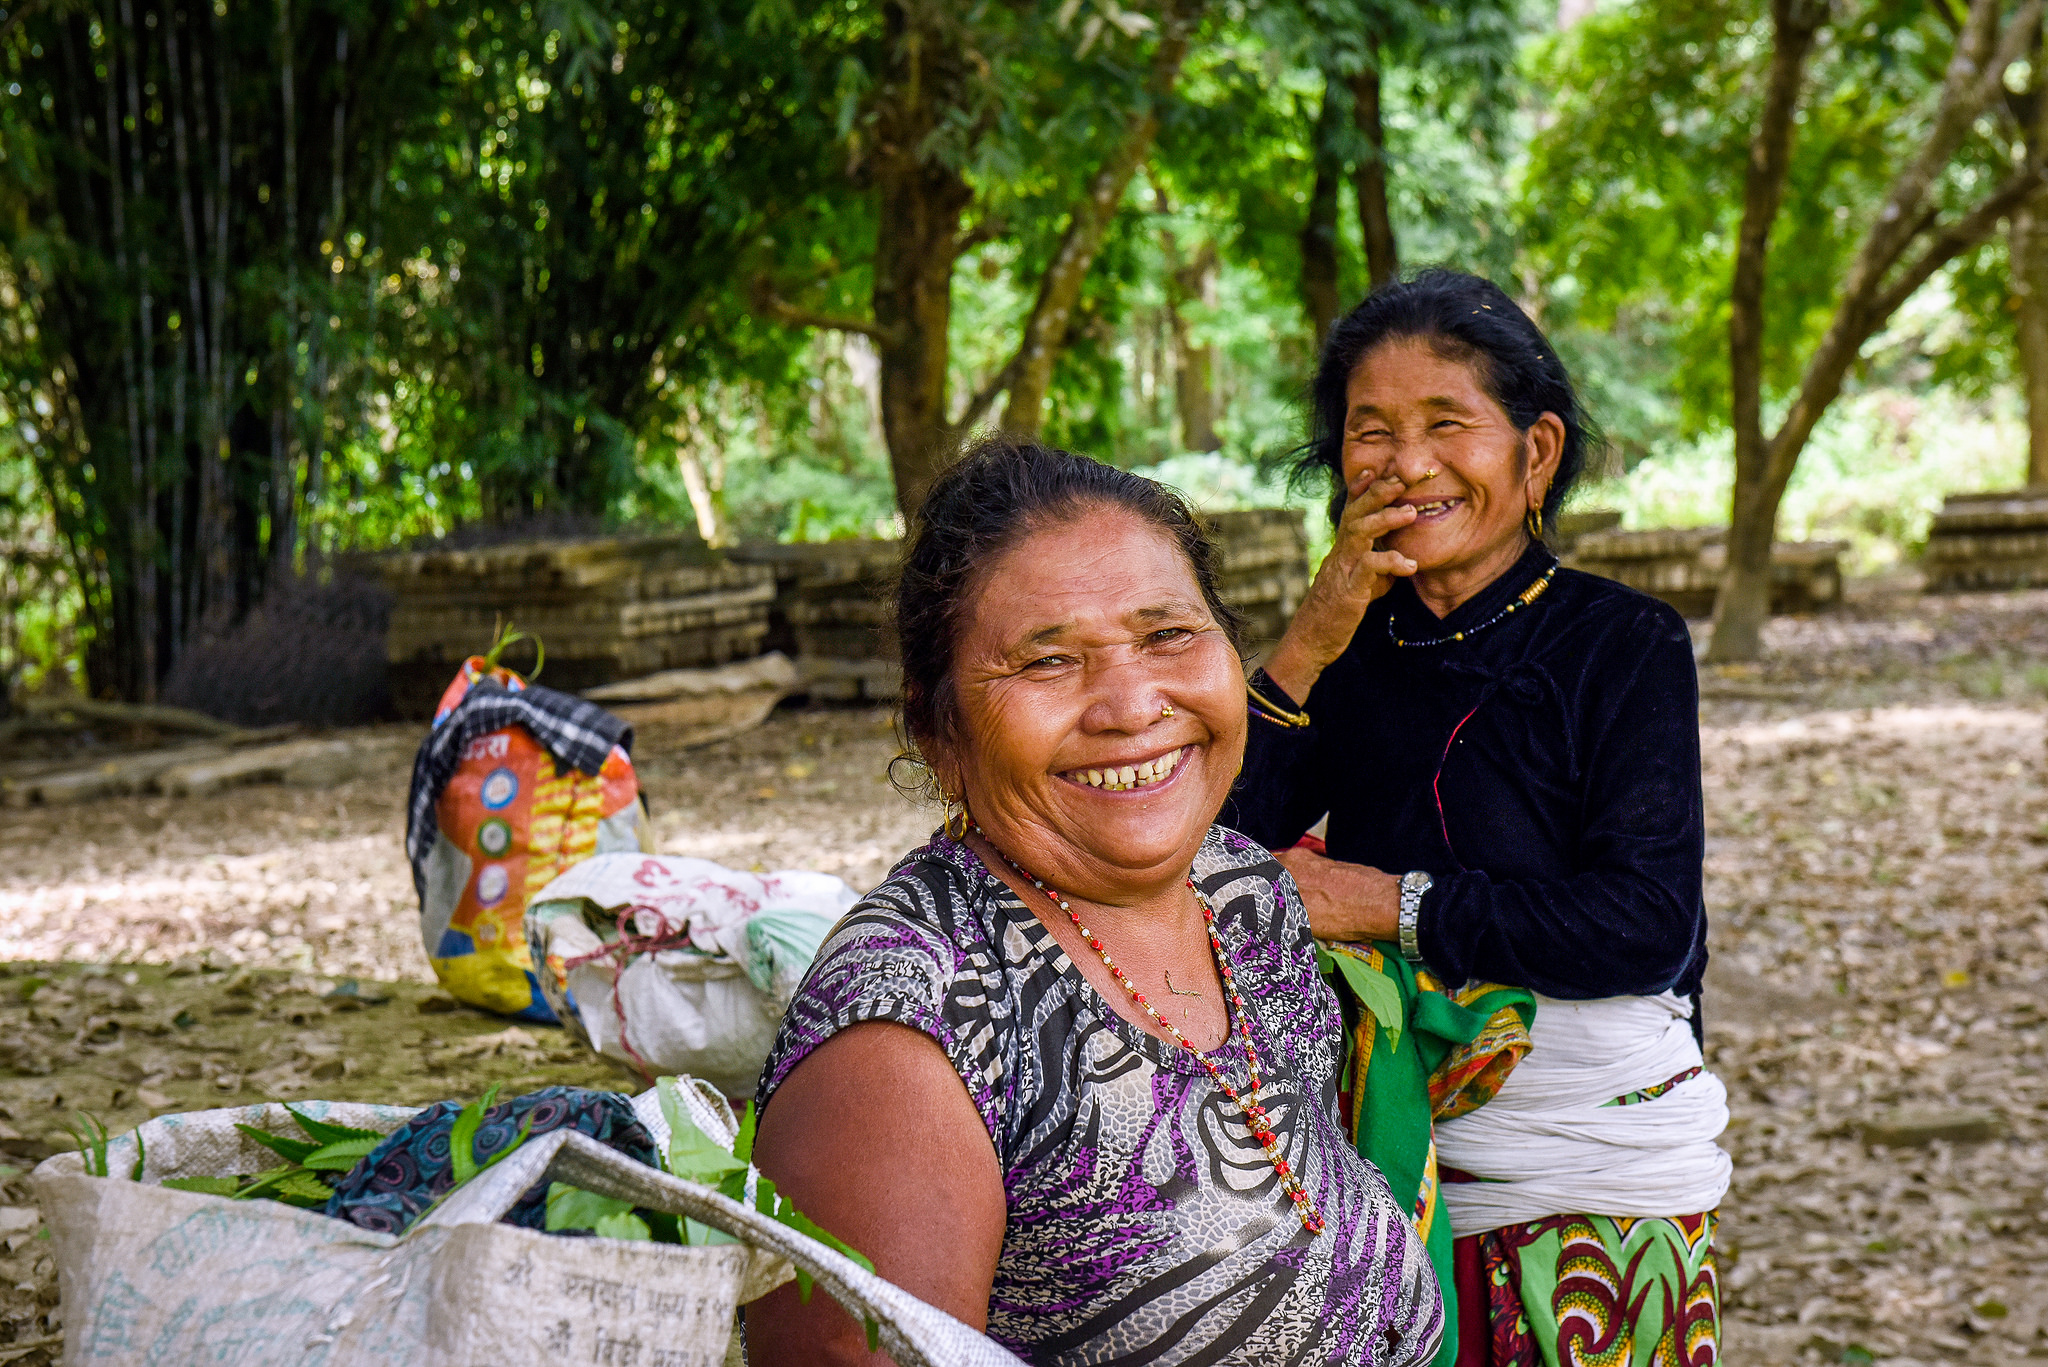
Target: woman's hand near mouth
1353, 574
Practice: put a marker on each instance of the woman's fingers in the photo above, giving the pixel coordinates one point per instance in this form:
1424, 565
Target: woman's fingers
1367, 494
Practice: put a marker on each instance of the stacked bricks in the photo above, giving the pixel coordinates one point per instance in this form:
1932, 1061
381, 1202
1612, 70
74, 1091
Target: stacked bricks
1989, 541
1684, 567
606, 610
1262, 568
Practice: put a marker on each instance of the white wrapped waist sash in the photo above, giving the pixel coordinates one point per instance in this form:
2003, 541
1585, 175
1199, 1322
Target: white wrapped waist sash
1548, 1144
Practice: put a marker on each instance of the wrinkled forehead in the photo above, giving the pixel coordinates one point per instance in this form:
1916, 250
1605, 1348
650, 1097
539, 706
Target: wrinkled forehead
1097, 568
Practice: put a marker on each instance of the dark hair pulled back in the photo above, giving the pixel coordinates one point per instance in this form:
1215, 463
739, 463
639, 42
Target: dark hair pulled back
1001, 489
1463, 318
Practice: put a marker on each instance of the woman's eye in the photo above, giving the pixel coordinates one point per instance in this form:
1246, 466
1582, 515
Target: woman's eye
1167, 635
1049, 662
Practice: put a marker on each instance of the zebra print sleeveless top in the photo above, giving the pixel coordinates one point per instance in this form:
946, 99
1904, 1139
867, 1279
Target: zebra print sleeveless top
1145, 1223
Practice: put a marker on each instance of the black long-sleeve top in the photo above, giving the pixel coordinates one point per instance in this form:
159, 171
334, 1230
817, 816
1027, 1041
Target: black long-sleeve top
1568, 847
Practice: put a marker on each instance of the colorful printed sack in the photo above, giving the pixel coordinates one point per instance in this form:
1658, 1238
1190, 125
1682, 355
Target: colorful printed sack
515, 784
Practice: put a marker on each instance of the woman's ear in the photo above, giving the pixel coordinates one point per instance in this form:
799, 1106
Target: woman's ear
1545, 448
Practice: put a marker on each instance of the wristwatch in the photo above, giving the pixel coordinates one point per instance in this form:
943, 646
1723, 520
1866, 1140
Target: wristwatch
1413, 885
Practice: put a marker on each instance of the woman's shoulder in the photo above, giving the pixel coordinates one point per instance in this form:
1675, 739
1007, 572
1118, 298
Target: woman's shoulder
1595, 597
1243, 881
1604, 617
920, 950
934, 904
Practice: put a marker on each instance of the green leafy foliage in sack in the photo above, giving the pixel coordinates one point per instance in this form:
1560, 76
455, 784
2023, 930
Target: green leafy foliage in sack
330, 1148
695, 1156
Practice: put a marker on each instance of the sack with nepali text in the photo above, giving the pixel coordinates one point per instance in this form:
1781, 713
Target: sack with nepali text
154, 1269
679, 965
514, 784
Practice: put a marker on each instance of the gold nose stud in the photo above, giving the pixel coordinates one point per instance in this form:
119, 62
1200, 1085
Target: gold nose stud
1166, 710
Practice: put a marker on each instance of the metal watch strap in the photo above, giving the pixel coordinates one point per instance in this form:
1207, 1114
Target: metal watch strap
1413, 885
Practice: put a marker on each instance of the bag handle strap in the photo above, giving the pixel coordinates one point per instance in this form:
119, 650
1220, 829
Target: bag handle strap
914, 1333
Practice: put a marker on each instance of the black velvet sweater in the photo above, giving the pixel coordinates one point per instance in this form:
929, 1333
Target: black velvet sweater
1567, 852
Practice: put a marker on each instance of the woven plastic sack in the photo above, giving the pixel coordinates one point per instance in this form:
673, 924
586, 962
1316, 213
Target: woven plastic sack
509, 819
679, 965
151, 1275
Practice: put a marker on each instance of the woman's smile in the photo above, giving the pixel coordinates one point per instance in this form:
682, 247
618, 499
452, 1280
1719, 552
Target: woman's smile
1433, 510
1151, 772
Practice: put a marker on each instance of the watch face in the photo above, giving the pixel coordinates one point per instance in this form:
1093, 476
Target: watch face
1415, 882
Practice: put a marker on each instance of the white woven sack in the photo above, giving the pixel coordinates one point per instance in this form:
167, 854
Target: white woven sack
151, 1275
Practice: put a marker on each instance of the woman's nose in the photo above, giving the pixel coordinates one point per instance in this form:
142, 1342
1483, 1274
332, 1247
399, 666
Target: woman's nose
1411, 465
1128, 697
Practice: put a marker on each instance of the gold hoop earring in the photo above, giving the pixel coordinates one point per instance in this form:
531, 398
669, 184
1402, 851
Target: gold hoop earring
1534, 522
956, 811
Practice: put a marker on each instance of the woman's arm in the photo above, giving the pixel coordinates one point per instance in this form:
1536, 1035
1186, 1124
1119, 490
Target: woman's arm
1350, 577
1280, 792
1631, 921
875, 1137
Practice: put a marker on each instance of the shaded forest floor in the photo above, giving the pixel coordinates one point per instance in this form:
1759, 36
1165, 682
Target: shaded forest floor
1877, 873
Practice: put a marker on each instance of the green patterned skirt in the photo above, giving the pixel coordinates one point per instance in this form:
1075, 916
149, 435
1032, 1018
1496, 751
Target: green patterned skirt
1590, 1291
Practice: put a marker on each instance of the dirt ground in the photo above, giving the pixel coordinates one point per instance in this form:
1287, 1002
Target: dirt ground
1877, 876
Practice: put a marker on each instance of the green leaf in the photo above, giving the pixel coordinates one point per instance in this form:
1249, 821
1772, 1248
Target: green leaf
266, 1182
135, 1174
321, 1132
624, 1225
803, 1224
205, 1186
462, 1138
668, 1229
302, 1188
574, 1208
700, 1235
90, 1132
692, 1154
342, 1155
290, 1150
743, 1142
1376, 992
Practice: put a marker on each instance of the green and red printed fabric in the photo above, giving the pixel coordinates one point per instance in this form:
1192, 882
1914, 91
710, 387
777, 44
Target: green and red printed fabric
1590, 1291
1419, 1054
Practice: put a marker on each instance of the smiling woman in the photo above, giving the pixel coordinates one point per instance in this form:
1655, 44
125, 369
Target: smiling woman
1069, 1073
1507, 755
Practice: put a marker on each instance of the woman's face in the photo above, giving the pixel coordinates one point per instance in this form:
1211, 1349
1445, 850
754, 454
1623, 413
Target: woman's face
1471, 477
1078, 639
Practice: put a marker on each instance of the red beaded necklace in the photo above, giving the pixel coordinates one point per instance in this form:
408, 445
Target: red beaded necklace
1254, 1114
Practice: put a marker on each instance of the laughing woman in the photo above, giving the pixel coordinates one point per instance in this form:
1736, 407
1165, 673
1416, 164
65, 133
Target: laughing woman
1069, 1072
1508, 754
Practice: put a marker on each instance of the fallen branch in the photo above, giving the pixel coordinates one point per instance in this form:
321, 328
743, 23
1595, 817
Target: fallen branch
133, 714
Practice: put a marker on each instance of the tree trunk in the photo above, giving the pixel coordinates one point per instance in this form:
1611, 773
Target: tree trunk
1059, 289
922, 200
143, 568
913, 302
1376, 221
1319, 234
1743, 604
1874, 288
2028, 231
1194, 394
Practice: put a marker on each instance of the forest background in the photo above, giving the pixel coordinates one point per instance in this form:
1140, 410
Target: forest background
283, 280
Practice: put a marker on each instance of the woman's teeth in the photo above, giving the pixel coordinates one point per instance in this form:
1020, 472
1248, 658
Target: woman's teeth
1130, 775
1425, 509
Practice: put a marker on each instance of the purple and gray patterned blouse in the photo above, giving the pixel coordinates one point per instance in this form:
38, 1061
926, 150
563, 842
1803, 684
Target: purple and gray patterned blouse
1146, 1224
